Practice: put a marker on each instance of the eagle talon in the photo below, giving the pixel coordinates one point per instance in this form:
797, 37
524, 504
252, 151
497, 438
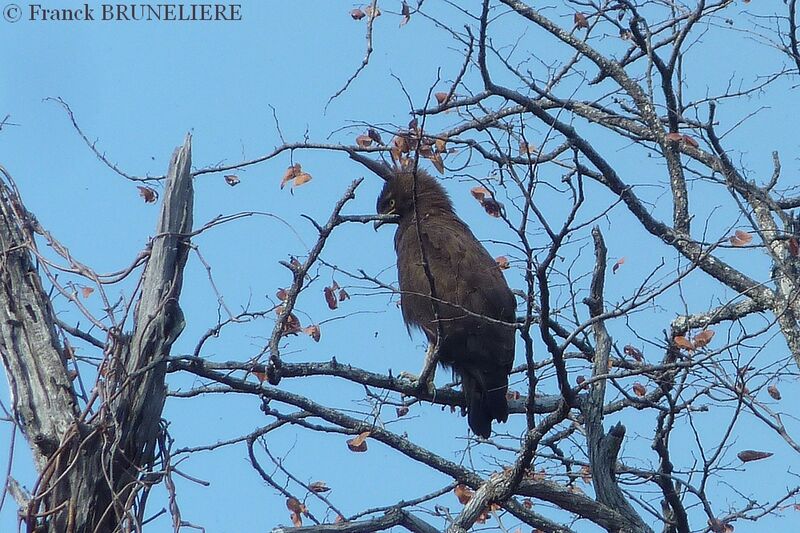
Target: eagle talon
423, 387
408, 376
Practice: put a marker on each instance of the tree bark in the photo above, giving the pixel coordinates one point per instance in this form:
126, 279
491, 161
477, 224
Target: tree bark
92, 460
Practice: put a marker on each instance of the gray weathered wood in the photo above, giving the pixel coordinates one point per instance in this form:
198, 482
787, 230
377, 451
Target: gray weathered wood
604, 447
41, 392
158, 318
89, 469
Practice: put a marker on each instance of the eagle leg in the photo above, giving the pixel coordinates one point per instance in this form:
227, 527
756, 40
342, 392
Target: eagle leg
428, 371
424, 382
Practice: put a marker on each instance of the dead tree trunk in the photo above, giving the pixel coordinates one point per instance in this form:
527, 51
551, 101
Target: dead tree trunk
93, 460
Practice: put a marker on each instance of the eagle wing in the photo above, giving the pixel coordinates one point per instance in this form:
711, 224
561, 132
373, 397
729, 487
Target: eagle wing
470, 288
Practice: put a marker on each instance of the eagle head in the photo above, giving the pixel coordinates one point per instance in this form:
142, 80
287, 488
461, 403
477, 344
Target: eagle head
398, 195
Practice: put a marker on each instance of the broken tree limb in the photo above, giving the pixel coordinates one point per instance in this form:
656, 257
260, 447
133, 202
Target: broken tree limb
91, 465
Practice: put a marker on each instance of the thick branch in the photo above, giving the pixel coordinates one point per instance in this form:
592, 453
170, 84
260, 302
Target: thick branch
551, 492
158, 318
392, 518
445, 396
41, 392
603, 448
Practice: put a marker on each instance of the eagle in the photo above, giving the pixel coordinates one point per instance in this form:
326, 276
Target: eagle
472, 301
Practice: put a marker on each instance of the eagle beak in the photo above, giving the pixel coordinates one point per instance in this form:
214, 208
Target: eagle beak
378, 223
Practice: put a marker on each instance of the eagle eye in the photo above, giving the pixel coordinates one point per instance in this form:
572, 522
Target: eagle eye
391, 203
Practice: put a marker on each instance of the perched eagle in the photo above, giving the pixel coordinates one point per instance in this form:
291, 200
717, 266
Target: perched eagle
469, 288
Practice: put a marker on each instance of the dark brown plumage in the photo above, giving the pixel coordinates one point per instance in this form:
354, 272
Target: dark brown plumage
467, 278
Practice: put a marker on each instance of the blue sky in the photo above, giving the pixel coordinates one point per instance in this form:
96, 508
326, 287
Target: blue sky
138, 87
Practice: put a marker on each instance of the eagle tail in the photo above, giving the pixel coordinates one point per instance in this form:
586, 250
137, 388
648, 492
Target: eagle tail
486, 399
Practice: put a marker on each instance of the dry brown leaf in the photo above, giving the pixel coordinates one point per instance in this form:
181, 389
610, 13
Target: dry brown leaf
232, 179
330, 298
487, 201
86, 291
502, 262
441, 98
312, 331
526, 148
463, 493
148, 193
357, 14
794, 247
69, 351
752, 455
703, 338
300, 179
426, 150
319, 487
401, 411
292, 325
372, 13
633, 352
375, 136
406, 12
261, 376
581, 381
639, 390
683, 343
294, 505
586, 474
690, 141
437, 161
291, 173
282, 295
718, 526
492, 207
774, 392
401, 143
343, 295
359, 443
396, 154
479, 193
581, 21
619, 263
741, 238
297, 520
363, 141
